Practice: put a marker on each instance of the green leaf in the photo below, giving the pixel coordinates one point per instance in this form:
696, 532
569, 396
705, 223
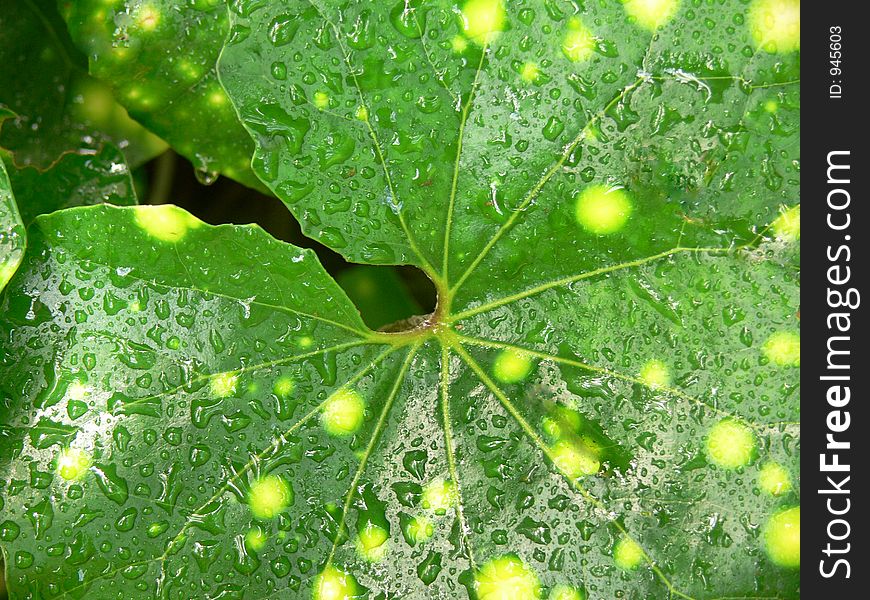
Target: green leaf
74, 180
12, 237
159, 59
604, 404
56, 108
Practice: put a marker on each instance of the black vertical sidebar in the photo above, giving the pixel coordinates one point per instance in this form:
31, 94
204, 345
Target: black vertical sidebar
835, 430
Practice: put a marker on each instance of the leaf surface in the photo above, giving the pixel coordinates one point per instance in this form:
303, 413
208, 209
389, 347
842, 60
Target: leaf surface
74, 180
53, 106
12, 238
604, 404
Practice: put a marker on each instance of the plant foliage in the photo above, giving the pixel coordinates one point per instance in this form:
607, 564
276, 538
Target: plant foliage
605, 402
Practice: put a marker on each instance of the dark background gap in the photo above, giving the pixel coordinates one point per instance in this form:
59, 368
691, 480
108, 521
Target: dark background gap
169, 178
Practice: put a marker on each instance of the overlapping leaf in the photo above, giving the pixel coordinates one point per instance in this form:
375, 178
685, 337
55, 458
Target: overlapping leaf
159, 59
604, 404
53, 107
11, 231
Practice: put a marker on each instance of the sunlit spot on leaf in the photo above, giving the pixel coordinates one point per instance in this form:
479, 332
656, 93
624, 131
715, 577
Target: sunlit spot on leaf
165, 222
530, 72
776, 25
651, 14
627, 554
372, 543
774, 479
439, 495
223, 385
482, 19
512, 366
217, 98
655, 374
574, 460
787, 226
730, 444
147, 17
603, 210
343, 413
566, 592
255, 539
333, 584
459, 44
783, 348
269, 496
73, 463
782, 537
506, 578
578, 43
284, 386
321, 100
77, 390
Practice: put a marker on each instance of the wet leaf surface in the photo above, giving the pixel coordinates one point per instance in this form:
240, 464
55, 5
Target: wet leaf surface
604, 404
12, 238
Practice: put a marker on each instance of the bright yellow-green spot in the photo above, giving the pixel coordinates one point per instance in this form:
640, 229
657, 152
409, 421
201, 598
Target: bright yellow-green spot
552, 427
72, 463
530, 72
372, 542
574, 460
776, 25
459, 44
561, 421
223, 385
603, 210
7, 269
333, 584
482, 20
578, 43
255, 539
730, 444
511, 366
439, 495
787, 226
774, 479
783, 348
321, 100
782, 537
217, 98
362, 113
627, 554
420, 529
343, 412
269, 496
651, 14
306, 342
771, 106
506, 578
284, 386
566, 592
165, 222
655, 374
189, 70
147, 17
77, 391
